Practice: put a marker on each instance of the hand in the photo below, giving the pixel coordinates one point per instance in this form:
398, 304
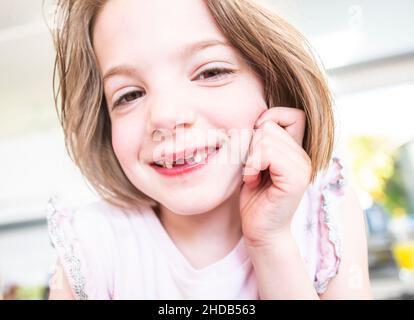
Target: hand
276, 175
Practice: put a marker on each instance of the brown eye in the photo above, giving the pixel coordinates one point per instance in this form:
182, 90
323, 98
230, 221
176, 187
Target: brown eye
131, 96
128, 97
214, 73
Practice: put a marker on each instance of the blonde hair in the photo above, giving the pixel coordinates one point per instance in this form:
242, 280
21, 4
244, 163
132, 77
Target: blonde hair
275, 50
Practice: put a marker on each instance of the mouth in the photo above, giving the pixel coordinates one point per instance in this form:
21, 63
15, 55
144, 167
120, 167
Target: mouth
185, 161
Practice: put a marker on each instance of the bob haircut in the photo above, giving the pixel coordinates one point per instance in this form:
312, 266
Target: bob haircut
275, 50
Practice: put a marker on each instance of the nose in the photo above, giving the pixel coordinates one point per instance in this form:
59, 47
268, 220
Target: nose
169, 113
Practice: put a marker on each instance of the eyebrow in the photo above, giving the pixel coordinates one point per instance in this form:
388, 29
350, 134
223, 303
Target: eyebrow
182, 52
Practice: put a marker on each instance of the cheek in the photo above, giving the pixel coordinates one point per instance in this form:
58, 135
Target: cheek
239, 105
236, 109
126, 138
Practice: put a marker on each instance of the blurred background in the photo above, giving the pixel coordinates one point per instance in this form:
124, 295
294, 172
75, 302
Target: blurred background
367, 48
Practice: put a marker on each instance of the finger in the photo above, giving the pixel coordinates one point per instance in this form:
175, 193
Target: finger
272, 132
293, 120
254, 140
251, 172
251, 169
264, 137
270, 151
264, 157
262, 141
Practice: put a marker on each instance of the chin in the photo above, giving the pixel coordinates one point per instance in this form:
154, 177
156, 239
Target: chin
192, 202
192, 205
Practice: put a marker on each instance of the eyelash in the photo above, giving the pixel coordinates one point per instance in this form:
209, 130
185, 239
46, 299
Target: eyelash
221, 71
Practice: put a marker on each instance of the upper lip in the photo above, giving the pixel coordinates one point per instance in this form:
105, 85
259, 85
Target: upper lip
186, 153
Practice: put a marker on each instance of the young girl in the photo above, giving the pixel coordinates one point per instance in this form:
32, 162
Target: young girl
207, 129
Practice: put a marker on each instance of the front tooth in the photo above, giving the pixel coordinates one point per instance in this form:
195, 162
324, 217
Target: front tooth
168, 165
200, 156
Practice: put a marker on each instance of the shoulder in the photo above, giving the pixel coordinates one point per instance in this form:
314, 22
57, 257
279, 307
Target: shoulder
333, 178
351, 275
97, 214
342, 241
90, 217
327, 193
83, 239
94, 227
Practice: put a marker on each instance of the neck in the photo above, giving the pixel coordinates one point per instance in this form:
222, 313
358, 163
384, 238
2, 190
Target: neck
216, 231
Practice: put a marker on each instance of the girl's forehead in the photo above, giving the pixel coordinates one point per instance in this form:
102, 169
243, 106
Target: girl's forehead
143, 19
129, 27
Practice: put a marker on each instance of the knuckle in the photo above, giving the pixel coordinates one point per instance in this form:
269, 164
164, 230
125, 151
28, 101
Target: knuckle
267, 125
300, 115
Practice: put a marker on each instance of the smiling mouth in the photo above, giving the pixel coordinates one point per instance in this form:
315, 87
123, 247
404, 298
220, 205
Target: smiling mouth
197, 156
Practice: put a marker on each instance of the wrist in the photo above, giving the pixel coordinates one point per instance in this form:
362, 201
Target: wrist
279, 242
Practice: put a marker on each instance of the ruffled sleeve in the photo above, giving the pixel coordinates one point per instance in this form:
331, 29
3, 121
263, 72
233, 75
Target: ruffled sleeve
74, 238
330, 190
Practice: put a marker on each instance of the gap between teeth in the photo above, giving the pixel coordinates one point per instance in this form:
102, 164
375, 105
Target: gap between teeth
199, 156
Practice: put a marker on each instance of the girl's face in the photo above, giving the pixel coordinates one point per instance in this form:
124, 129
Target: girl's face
157, 77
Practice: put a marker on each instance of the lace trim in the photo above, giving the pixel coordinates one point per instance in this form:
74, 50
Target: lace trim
65, 242
331, 255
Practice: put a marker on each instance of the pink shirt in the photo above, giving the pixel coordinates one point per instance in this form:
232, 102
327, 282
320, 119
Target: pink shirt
112, 253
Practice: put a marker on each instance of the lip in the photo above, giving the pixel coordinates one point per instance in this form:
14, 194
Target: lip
186, 168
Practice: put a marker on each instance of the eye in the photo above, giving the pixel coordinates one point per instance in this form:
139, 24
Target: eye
127, 98
214, 73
